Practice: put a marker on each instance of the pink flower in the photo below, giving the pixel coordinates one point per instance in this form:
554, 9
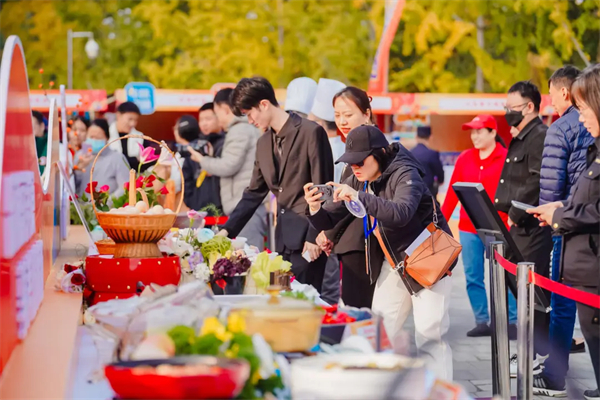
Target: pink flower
104, 189
163, 190
193, 215
147, 154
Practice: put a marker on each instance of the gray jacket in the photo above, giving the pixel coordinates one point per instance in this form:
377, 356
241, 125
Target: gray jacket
111, 169
236, 163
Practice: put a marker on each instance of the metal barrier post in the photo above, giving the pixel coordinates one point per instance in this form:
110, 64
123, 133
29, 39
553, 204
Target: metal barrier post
271, 231
499, 324
525, 304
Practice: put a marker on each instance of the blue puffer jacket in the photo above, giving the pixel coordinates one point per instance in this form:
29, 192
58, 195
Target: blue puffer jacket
563, 158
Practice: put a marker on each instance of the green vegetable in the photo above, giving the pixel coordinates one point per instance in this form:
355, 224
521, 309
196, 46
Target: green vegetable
295, 295
184, 338
263, 266
239, 346
218, 244
207, 344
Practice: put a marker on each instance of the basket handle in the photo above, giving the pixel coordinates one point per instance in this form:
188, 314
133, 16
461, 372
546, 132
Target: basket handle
161, 143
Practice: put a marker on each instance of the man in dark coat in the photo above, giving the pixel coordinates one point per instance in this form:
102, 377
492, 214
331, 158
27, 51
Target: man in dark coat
520, 181
429, 159
290, 153
563, 160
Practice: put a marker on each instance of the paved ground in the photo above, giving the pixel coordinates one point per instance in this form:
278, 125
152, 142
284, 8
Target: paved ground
472, 356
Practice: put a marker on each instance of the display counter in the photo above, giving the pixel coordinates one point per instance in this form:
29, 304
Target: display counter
41, 365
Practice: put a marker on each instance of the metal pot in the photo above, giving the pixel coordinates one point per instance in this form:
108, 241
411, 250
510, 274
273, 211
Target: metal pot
288, 325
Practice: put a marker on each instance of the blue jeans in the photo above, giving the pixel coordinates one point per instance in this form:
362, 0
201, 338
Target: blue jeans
562, 324
473, 255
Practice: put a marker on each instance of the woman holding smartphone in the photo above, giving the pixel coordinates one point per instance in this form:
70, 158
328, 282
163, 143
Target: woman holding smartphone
352, 108
399, 208
111, 167
578, 221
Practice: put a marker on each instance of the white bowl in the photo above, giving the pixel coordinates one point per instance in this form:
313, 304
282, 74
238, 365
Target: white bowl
312, 380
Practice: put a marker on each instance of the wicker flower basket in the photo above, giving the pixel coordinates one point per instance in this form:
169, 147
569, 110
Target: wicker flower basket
137, 235
106, 246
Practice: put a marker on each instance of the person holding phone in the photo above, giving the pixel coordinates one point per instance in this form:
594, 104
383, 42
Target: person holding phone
481, 164
578, 221
399, 208
351, 108
111, 168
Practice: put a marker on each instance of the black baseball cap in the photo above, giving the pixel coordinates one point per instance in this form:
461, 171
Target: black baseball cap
188, 127
361, 142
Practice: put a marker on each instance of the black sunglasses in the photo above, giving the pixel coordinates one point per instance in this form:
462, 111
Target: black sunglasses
358, 164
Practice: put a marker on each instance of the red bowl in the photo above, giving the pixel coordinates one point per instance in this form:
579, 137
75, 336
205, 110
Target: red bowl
223, 378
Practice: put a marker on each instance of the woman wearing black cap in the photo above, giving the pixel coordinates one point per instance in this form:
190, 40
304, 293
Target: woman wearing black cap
388, 181
201, 189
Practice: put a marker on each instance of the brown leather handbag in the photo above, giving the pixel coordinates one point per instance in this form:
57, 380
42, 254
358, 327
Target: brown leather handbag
431, 260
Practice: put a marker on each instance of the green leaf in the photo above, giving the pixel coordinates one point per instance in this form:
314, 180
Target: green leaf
183, 337
207, 344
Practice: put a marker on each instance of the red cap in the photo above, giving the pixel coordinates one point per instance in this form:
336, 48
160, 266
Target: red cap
481, 121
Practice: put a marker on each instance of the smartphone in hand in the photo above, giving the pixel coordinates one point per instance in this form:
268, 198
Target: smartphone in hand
86, 148
325, 190
521, 206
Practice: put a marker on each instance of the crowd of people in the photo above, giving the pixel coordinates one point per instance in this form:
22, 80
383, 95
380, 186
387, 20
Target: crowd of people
244, 148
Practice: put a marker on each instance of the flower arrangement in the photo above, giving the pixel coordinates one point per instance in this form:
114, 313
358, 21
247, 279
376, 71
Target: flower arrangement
101, 198
143, 180
71, 278
205, 256
231, 341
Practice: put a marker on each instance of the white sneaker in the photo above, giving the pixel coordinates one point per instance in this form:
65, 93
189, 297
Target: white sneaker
538, 366
543, 387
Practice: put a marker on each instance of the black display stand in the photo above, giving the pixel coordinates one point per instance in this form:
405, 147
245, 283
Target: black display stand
490, 228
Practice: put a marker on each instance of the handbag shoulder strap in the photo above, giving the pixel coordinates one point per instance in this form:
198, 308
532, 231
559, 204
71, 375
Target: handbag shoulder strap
387, 254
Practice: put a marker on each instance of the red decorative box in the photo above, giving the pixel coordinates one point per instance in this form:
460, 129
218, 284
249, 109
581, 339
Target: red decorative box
117, 278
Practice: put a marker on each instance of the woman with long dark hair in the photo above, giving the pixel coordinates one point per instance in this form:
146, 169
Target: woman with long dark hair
481, 164
352, 108
578, 220
399, 207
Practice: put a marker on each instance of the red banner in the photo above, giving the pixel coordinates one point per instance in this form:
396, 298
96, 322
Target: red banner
379, 72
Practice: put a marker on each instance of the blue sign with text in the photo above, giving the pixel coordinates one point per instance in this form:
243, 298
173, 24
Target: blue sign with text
143, 95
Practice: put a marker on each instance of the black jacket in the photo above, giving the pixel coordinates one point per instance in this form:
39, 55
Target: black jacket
209, 191
306, 158
579, 223
402, 205
348, 235
434, 170
520, 179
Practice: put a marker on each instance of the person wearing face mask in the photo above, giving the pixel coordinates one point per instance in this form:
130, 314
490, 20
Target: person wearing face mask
351, 108
399, 207
520, 181
577, 220
111, 168
481, 164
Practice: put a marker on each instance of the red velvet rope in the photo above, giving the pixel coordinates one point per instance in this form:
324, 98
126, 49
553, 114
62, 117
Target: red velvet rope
590, 299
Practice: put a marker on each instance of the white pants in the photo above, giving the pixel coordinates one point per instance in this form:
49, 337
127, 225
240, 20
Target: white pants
430, 311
